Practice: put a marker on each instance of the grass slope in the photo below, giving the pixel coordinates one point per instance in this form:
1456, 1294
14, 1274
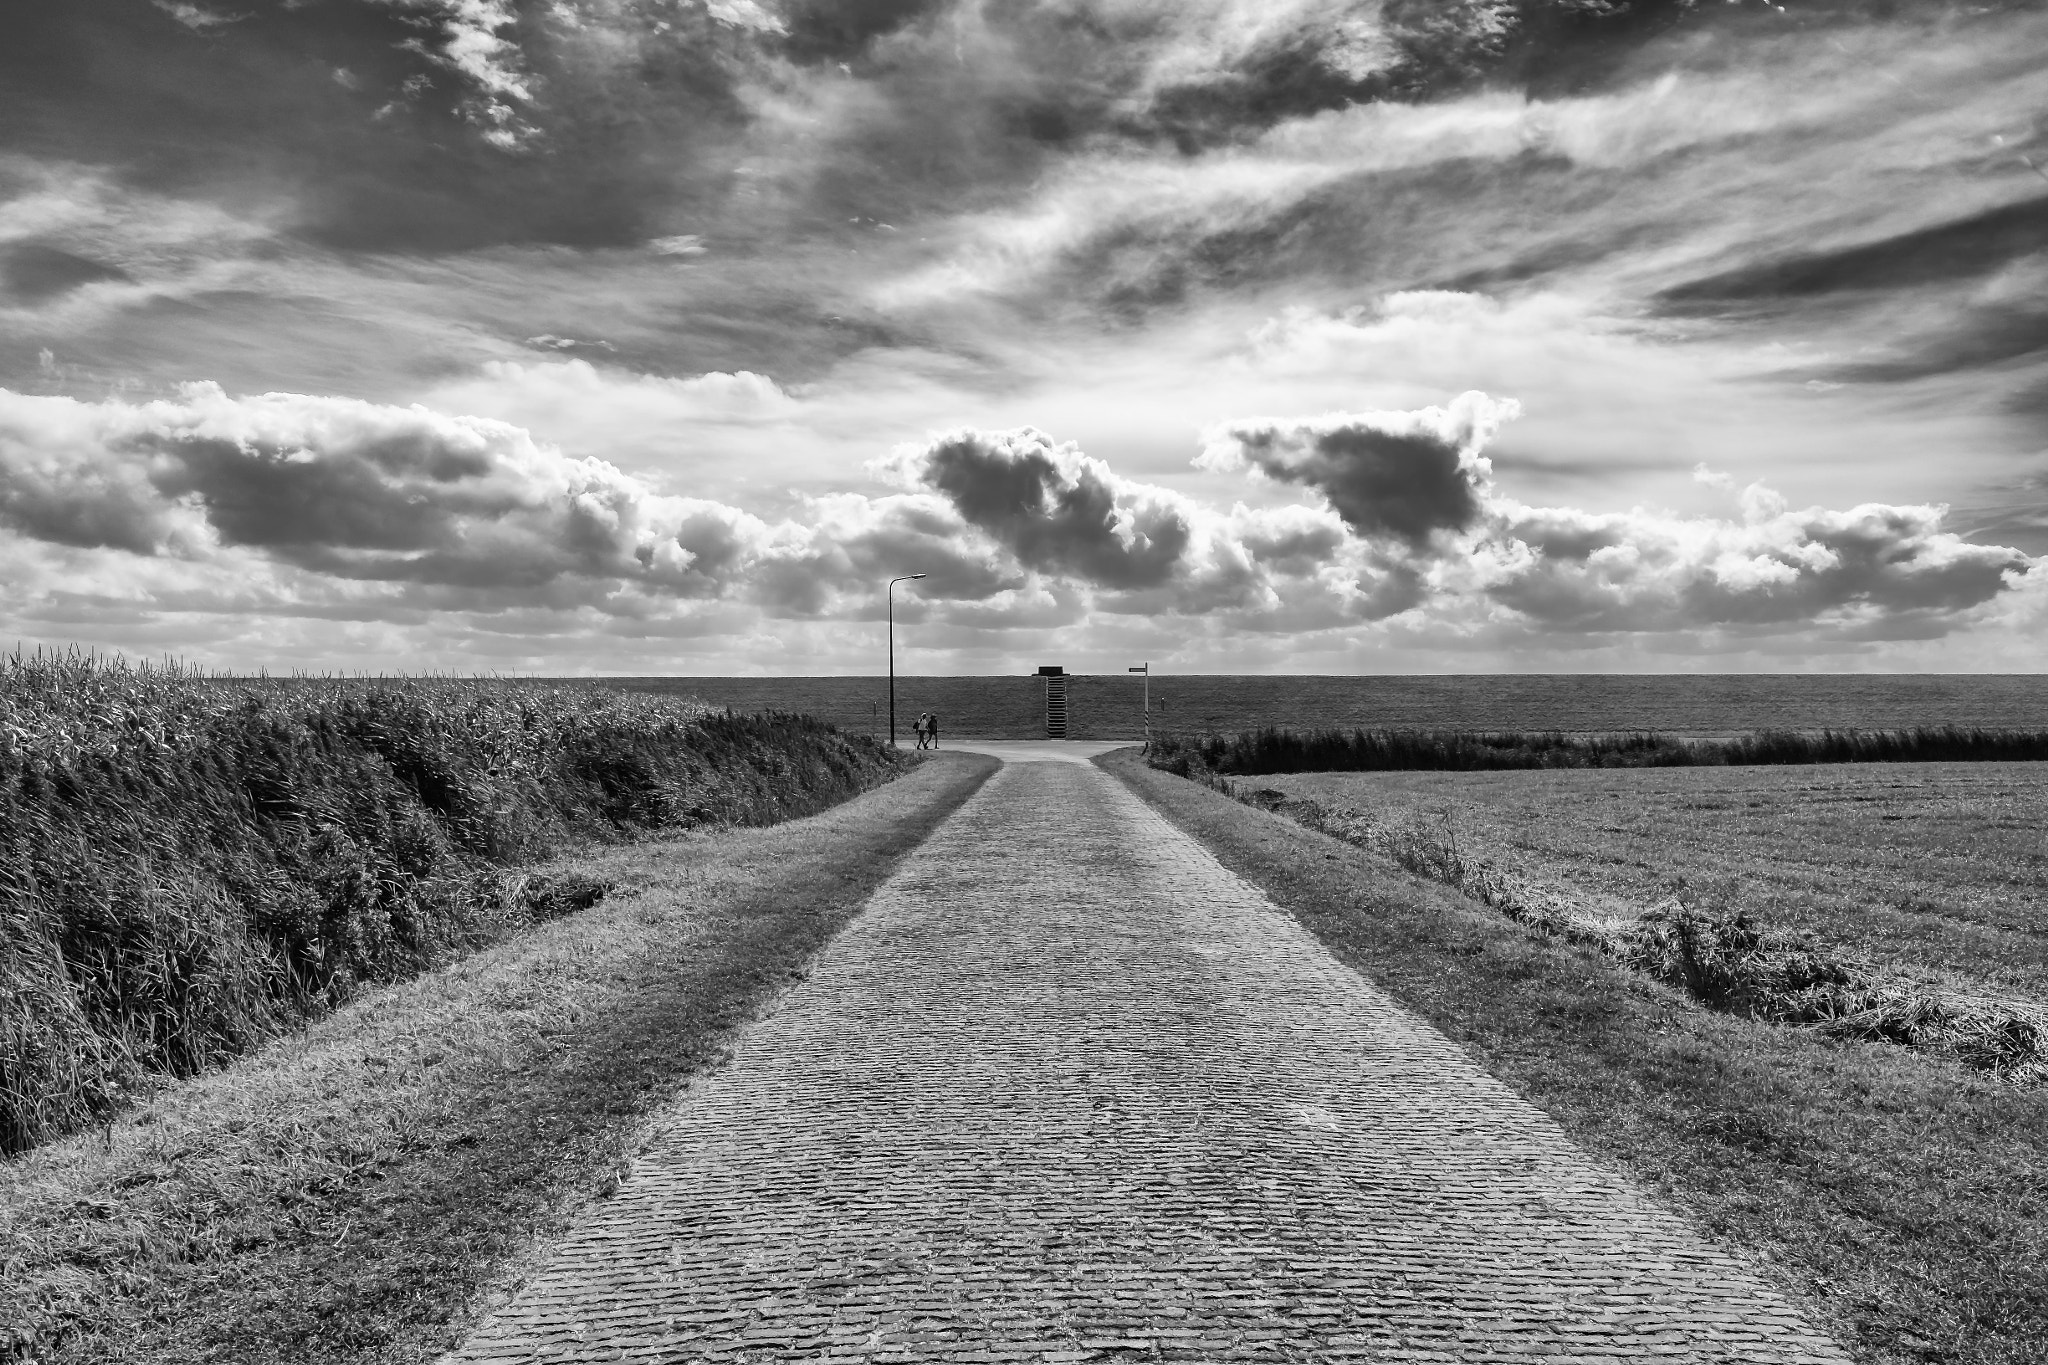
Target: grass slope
1898, 1194
363, 1192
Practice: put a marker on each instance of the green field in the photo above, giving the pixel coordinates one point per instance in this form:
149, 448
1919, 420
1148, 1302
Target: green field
1107, 706
1933, 868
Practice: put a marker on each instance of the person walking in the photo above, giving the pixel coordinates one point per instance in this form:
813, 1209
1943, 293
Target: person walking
918, 725
931, 727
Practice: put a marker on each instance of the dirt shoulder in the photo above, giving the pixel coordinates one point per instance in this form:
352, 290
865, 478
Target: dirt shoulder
1895, 1195
365, 1191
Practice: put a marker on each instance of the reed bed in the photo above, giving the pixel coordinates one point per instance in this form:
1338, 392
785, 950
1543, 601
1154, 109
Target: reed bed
191, 864
1277, 750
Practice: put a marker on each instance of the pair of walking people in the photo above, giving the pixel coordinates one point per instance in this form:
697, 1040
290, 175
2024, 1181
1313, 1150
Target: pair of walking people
927, 727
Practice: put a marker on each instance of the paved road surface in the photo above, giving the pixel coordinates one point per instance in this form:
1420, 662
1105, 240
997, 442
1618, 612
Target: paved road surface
1069, 1090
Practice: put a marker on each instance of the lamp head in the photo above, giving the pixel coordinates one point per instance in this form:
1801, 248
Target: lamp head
917, 575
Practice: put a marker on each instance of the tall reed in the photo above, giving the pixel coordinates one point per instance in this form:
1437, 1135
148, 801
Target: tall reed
190, 864
1277, 750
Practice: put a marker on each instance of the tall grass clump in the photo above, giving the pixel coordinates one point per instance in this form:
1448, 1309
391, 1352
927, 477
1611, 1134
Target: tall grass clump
191, 864
1277, 750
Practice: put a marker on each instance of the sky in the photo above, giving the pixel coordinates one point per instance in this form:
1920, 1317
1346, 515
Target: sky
1240, 336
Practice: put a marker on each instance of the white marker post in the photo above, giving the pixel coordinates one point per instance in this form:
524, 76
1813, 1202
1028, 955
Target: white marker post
1146, 669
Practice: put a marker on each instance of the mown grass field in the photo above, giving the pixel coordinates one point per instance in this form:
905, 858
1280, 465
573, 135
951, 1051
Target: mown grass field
1935, 868
361, 1192
1897, 1192
1107, 706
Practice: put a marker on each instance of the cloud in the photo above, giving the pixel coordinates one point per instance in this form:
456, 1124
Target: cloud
359, 491
60, 483
287, 506
195, 18
34, 273
744, 14
473, 43
1963, 247
1055, 509
1240, 65
1879, 570
1409, 475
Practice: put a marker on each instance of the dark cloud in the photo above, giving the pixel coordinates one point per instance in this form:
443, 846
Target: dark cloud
1962, 248
1294, 550
33, 272
383, 124
1975, 338
87, 505
1395, 589
1054, 510
439, 126
1391, 228
844, 30
1406, 476
1339, 54
1382, 483
398, 490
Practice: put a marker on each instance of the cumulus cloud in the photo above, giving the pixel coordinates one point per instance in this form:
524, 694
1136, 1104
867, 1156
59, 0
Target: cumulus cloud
357, 490
59, 482
1876, 569
367, 509
1408, 475
1056, 509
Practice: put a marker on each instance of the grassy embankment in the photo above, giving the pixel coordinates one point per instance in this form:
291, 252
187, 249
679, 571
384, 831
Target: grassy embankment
366, 1190
190, 866
1895, 1190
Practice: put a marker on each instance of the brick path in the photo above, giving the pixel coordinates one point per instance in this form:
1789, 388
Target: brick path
1069, 1090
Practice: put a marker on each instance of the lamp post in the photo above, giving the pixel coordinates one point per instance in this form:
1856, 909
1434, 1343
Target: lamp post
1146, 669
892, 652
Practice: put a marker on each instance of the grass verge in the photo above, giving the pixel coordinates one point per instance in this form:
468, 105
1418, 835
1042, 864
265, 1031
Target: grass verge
1895, 1193
364, 1191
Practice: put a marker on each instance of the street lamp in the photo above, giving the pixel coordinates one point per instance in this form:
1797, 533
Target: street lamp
892, 652
1146, 669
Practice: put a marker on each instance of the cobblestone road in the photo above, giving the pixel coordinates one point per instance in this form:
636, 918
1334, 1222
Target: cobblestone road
1069, 1090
